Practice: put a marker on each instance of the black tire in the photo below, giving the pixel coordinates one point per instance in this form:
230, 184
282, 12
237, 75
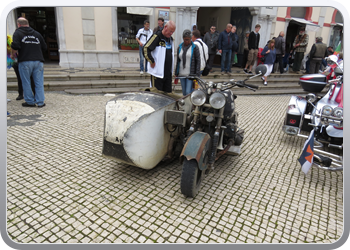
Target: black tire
191, 178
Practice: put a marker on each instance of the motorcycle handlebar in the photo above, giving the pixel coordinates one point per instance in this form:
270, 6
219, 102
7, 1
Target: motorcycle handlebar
252, 86
238, 83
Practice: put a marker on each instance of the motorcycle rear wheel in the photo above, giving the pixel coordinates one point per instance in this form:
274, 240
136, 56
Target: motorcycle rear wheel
191, 178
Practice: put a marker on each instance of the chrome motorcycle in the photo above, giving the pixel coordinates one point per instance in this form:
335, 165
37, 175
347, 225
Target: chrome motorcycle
323, 113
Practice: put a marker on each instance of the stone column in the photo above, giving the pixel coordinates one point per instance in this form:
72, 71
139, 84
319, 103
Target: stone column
194, 15
179, 27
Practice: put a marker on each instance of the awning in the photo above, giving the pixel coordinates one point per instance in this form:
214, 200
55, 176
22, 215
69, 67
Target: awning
310, 26
340, 24
139, 11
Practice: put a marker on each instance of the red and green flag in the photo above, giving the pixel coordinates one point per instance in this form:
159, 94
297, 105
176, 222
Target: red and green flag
337, 50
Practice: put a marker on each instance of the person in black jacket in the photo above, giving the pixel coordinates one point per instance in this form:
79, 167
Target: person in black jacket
29, 45
253, 46
280, 45
159, 52
211, 40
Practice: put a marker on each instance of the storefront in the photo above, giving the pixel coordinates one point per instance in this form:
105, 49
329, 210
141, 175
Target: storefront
91, 37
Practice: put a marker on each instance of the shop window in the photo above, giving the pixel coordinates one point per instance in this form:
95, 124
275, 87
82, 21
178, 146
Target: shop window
128, 26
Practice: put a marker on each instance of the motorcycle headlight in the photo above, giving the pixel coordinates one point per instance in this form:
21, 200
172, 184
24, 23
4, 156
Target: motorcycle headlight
198, 97
338, 112
217, 100
327, 110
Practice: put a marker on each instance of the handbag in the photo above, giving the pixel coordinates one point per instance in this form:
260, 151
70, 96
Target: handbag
206, 69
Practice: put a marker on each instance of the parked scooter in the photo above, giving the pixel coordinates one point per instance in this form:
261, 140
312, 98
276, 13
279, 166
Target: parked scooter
323, 113
144, 128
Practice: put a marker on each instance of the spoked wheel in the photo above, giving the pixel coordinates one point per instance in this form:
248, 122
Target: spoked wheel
191, 178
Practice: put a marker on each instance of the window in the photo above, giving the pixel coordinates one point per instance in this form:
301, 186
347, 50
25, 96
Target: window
128, 25
298, 12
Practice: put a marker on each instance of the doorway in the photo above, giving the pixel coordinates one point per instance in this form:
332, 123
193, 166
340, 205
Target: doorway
292, 32
42, 19
242, 18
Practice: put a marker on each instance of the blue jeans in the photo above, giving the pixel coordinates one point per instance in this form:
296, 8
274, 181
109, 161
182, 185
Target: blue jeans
142, 58
186, 85
35, 69
226, 60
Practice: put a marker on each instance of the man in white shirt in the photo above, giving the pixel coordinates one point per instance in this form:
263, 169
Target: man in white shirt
203, 48
141, 37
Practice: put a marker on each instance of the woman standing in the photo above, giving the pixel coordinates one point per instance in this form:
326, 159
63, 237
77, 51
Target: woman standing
269, 52
188, 62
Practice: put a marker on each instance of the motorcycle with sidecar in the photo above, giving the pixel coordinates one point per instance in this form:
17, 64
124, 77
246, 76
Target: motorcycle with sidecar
321, 113
145, 127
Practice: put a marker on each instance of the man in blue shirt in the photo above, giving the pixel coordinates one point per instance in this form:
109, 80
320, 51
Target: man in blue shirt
225, 49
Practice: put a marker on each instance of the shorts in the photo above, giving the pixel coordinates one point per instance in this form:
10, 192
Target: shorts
252, 56
162, 84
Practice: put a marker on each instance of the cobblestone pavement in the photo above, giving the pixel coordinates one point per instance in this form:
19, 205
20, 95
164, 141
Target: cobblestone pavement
61, 189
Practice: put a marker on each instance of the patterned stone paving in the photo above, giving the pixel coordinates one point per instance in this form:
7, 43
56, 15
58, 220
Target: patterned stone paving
61, 189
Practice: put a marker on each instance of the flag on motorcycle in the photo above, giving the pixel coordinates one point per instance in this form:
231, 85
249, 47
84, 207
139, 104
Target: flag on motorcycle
337, 50
307, 156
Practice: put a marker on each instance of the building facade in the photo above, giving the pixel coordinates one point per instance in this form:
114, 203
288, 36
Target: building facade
104, 37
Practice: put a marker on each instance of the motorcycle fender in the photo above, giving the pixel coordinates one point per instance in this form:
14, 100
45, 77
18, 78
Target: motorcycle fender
195, 148
334, 132
295, 111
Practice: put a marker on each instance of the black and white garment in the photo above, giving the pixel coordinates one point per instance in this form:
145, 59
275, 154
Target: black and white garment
143, 35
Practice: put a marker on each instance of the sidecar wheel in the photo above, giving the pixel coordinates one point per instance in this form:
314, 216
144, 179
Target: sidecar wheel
191, 178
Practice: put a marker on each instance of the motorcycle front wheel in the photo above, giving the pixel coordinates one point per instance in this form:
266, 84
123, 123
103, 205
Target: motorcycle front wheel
191, 178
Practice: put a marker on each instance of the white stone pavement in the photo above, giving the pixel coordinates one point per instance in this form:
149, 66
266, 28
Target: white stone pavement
61, 189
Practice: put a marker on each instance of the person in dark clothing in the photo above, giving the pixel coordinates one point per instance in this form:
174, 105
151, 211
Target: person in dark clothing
211, 40
159, 52
235, 44
317, 53
299, 45
280, 46
29, 45
253, 46
160, 25
19, 83
246, 49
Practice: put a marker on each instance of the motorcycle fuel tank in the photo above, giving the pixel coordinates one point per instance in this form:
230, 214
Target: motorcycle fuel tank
134, 130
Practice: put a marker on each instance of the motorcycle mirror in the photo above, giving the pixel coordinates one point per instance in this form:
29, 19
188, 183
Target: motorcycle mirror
311, 97
261, 69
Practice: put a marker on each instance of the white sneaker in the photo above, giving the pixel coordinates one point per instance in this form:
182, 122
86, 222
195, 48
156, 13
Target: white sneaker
141, 72
265, 83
